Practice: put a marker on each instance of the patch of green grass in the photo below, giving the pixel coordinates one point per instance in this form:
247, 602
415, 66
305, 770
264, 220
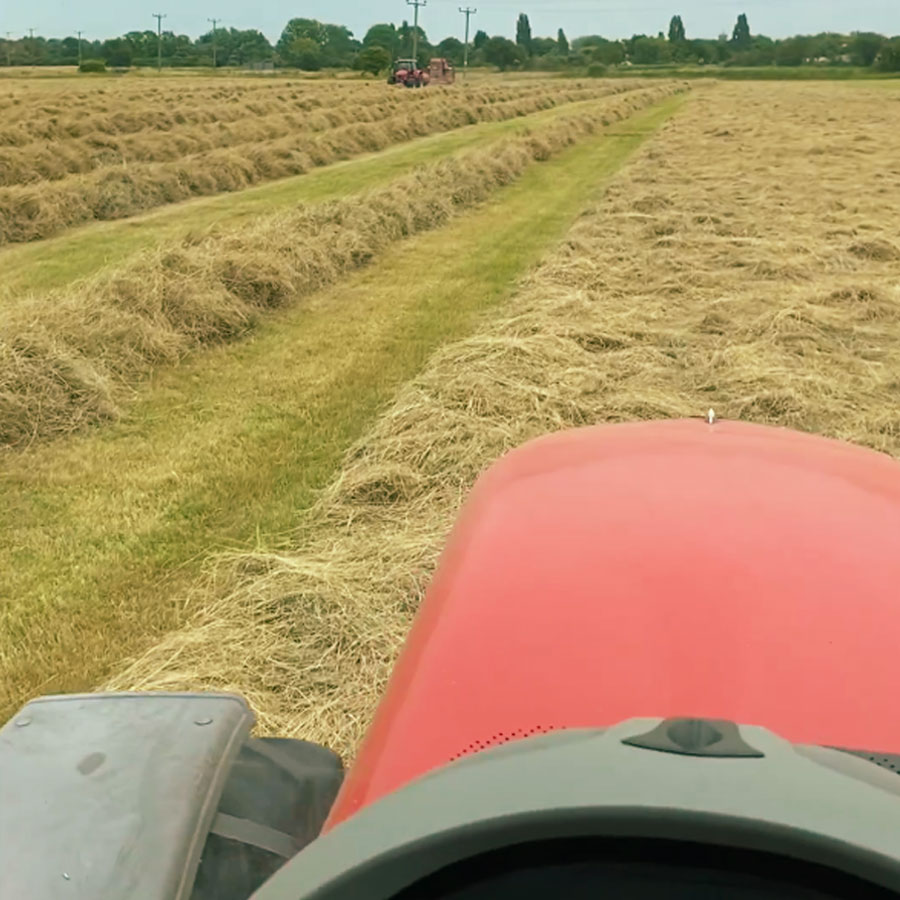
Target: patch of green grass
59, 261
105, 532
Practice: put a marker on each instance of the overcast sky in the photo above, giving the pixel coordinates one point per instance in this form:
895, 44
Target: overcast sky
612, 18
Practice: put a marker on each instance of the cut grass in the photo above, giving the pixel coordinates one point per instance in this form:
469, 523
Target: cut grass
60, 261
67, 358
105, 532
118, 189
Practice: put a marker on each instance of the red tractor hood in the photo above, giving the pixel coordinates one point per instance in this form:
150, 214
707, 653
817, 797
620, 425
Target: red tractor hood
668, 569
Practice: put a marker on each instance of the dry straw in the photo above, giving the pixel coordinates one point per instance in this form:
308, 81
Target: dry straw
163, 135
66, 360
731, 266
112, 178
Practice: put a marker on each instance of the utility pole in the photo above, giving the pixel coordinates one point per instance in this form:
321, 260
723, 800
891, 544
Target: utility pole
159, 17
214, 23
468, 12
8, 49
31, 34
416, 4
79, 33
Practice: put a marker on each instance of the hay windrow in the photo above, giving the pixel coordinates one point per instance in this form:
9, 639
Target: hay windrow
63, 173
110, 330
706, 277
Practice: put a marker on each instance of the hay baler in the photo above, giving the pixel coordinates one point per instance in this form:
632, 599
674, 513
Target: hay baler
441, 71
656, 660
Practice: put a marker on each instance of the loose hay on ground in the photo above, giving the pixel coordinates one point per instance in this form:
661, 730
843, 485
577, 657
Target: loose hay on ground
669, 297
111, 329
50, 182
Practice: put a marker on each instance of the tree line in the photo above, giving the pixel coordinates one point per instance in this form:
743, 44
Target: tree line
311, 45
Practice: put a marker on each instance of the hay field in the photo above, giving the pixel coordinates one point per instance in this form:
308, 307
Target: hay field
112, 149
211, 442
67, 359
748, 260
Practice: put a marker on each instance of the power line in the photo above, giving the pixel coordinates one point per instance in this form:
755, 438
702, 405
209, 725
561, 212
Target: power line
214, 23
159, 17
416, 4
468, 12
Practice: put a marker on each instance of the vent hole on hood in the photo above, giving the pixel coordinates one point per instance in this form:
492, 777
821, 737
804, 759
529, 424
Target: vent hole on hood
503, 737
889, 761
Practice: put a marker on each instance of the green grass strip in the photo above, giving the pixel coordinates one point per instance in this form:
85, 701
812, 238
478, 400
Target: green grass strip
58, 261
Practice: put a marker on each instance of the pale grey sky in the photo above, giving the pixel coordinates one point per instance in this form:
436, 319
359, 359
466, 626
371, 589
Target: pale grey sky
612, 18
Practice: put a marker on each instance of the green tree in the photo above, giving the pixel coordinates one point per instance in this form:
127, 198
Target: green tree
381, 35
608, 53
647, 51
250, 46
562, 43
339, 48
889, 58
304, 53
827, 46
334, 43
586, 40
523, 32
543, 46
865, 47
235, 47
741, 35
405, 41
373, 59
183, 53
480, 39
676, 30
35, 49
118, 53
143, 47
503, 53
68, 51
311, 29
708, 52
451, 48
793, 51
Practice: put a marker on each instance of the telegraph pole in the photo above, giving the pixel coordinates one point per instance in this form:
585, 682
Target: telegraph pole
416, 4
79, 33
159, 17
214, 23
31, 34
8, 49
468, 12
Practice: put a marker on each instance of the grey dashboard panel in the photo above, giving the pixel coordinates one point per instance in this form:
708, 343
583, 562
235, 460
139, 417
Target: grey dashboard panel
108, 796
818, 806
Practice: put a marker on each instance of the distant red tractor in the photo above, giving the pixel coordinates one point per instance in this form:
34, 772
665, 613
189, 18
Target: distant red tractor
407, 73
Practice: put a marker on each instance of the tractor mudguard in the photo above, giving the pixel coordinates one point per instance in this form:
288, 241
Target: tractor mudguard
158, 796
